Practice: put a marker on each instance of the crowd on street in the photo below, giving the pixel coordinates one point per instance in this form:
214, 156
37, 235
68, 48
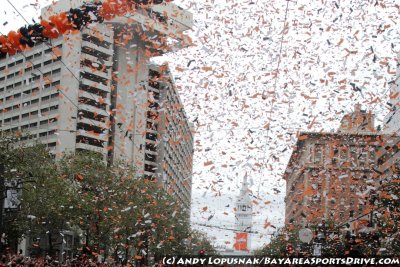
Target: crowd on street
19, 260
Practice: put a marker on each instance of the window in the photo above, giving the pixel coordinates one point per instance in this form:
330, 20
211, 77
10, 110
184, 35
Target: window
56, 71
94, 78
95, 40
151, 147
318, 155
52, 145
151, 125
151, 136
54, 107
95, 53
343, 154
149, 168
150, 157
362, 158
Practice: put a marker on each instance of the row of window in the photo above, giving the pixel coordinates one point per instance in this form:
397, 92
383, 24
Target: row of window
91, 116
94, 65
94, 78
43, 111
91, 102
29, 91
94, 40
356, 155
96, 53
89, 141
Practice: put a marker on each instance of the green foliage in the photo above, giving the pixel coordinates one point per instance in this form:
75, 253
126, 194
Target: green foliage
278, 244
110, 208
199, 241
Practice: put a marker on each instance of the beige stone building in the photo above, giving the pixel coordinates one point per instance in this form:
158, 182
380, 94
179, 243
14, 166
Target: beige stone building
329, 175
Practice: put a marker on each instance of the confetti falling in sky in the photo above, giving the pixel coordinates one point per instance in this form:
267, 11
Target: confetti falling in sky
258, 72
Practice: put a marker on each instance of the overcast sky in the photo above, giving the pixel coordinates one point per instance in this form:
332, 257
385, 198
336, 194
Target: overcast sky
253, 79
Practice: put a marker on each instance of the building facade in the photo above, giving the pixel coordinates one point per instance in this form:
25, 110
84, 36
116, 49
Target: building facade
168, 126
329, 175
392, 119
93, 91
389, 155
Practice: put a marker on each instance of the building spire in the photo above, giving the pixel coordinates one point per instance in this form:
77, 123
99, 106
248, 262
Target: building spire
245, 187
243, 216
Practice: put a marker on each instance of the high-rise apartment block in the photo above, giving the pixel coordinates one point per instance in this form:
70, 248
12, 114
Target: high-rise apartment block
329, 175
389, 154
96, 90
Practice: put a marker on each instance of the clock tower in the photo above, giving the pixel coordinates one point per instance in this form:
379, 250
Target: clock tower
243, 218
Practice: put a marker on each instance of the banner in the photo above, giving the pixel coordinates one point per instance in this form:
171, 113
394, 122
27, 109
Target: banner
241, 242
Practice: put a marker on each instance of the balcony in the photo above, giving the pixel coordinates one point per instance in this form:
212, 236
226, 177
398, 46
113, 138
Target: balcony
101, 49
92, 96
93, 122
107, 63
92, 135
91, 148
94, 78
97, 72
96, 84
93, 109
48, 139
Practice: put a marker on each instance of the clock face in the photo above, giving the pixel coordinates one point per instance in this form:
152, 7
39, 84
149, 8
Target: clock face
305, 235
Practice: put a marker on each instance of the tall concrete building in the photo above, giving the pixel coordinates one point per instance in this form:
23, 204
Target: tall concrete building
329, 175
389, 155
392, 119
95, 90
169, 128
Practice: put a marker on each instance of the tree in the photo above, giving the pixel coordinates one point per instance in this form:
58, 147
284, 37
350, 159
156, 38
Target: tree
114, 209
278, 245
120, 211
44, 195
199, 241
